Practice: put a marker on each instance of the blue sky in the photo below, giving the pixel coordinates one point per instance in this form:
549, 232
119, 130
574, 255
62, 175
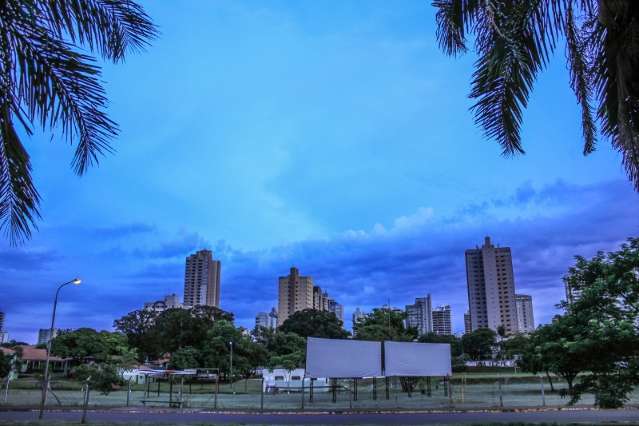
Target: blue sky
334, 136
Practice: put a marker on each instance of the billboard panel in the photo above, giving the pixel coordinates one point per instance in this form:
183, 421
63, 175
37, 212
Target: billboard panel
417, 359
343, 358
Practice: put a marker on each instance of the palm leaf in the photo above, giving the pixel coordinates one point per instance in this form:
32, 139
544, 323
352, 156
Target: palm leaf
580, 80
18, 197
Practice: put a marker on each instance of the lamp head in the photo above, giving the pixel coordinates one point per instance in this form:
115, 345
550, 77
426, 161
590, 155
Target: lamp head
76, 281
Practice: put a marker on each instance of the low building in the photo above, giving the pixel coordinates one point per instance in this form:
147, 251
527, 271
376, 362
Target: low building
32, 359
281, 380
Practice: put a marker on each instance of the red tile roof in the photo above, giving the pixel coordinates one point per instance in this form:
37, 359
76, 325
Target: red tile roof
7, 351
31, 353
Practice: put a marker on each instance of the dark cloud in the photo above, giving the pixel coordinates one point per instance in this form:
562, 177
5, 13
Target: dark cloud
545, 227
17, 259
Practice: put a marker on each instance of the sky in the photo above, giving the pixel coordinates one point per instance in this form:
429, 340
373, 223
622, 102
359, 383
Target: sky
333, 136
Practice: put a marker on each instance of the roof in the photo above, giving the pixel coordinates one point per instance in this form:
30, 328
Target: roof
7, 351
31, 353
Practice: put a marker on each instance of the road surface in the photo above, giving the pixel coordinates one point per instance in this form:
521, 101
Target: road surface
171, 417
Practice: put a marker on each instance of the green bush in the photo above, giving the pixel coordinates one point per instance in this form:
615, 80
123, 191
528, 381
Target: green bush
102, 377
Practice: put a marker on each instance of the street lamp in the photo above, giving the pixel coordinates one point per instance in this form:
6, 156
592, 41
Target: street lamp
45, 385
232, 384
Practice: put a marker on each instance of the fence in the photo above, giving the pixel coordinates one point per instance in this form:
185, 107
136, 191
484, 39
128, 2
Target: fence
471, 391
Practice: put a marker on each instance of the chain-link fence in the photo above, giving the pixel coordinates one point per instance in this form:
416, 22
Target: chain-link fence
461, 392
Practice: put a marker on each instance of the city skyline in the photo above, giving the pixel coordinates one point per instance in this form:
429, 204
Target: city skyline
339, 141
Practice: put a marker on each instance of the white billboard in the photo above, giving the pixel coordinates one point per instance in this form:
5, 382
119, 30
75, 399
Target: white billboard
417, 359
343, 358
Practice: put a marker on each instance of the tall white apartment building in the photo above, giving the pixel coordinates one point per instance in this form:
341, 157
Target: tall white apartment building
442, 323
525, 318
202, 279
419, 315
491, 288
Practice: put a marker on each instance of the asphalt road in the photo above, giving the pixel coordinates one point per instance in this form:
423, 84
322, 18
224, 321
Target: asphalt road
564, 416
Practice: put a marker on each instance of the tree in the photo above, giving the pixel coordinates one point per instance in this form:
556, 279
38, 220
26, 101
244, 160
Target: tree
100, 346
5, 365
604, 319
479, 343
598, 334
186, 357
48, 81
552, 349
286, 350
314, 323
103, 377
138, 326
453, 341
514, 41
384, 324
215, 349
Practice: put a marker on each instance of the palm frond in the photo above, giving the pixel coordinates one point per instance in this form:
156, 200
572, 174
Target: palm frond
616, 36
111, 27
60, 87
454, 19
580, 80
18, 197
45, 81
510, 59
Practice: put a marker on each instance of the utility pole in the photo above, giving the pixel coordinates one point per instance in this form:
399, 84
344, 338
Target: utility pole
231, 373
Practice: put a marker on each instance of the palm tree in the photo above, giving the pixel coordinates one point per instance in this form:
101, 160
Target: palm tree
514, 40
46, 81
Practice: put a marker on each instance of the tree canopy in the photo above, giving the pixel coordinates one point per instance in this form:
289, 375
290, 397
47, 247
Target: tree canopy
479, 344
314, 323
102, 346
594, 345
384, 324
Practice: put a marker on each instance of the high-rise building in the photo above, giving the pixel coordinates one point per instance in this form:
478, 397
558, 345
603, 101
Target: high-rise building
266, 319
262, 320
491, 288
320, 299
336, 308
468, 328
419, 315
525, 319
44, 335
296, 293
170, 301
3, 334
272, 317
358, 315
441, 321
202, 279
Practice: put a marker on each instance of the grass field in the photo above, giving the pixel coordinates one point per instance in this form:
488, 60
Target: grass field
469, 391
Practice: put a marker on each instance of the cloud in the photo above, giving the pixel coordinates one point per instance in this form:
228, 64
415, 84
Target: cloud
19, 259
131, 229
416, 254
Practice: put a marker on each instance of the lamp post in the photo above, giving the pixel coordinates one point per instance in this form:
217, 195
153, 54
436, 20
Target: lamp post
232, 384
45, 381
